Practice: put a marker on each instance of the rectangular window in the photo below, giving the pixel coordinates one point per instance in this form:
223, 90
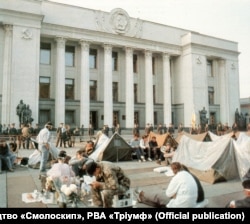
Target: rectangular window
115, 118
135, 65
115, 91
70, 117
153, 65
93, 90
210, 68
211, 95
69, 89
136, 117
70, 56
44, 117
155, 118
93, 58
44, 87
114, 61
45, 53
135, 93
154, 96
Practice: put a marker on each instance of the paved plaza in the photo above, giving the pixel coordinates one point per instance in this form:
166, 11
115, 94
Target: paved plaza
25, 180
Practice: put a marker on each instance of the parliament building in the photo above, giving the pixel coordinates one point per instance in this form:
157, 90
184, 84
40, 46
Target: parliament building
79, 66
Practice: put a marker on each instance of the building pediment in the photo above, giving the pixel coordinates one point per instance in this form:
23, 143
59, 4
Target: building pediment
118, 22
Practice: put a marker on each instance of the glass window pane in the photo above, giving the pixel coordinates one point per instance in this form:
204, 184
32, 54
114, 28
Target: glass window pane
69, 89
45, 53
93, 90
114, 61
115, 92
44, 91
44, 116
69, 56
44, 87
135, 93
209, 68
70, 117
93, 58
135, 63
153, 65
44, 80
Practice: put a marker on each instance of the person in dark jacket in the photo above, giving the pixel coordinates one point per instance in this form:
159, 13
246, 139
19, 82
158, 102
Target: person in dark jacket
245, 202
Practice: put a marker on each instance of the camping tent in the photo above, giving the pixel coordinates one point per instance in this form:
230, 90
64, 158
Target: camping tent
100, 145
223, 158
242, 152
163, 138
228, 135
199, 137
211, 162
111, 149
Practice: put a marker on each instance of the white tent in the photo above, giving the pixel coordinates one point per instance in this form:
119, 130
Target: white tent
100, 146
242, 152
223, 158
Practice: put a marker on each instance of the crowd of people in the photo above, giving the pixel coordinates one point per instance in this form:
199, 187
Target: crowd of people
147, 149
183, 190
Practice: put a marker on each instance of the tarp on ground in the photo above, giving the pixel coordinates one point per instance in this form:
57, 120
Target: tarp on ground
35, 157
163, 138
199, 137
111, 149
211, 162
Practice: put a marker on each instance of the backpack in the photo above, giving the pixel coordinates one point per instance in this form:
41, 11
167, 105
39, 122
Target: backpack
24, 161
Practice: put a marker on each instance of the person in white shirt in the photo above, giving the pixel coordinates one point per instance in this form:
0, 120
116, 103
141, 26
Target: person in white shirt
182, 188
61, 170
43, 140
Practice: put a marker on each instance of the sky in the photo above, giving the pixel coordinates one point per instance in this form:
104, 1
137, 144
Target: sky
226, 19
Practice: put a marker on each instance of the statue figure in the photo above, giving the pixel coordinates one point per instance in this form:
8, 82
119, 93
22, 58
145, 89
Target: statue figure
24, 113
27, 115
19, 111
203, 118
237, 116
240, 120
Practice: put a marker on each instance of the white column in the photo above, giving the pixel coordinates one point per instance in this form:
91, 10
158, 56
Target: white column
60, 81
84, 87
223, 92
108, 86
6, 101
149, 110
129, 88
166, 90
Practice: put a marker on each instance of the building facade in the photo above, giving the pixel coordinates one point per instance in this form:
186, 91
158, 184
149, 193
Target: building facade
80, 66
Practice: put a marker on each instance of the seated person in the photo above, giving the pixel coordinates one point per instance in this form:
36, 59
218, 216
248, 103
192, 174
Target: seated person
6, 155
89, 148
167, 153
155, 150
12, 148
110, 180
135, 144
60, 170
184, 190
77, 162
145, 147
242, 203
